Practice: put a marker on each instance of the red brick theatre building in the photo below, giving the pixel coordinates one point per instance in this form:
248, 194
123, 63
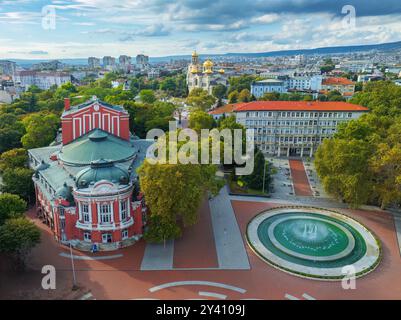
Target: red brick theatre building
85, 181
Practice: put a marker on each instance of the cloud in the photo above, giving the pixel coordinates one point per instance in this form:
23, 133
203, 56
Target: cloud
157, 30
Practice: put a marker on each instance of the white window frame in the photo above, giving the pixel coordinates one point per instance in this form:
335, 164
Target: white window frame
106, 213
87, 237
124, 234
86, 213
105, 237
124, 211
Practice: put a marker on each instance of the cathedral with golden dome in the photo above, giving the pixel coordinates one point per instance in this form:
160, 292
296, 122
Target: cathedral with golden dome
203, 75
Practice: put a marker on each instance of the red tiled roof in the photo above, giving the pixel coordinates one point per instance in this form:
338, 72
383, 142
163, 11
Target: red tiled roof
337, 81
228, 108
298, 106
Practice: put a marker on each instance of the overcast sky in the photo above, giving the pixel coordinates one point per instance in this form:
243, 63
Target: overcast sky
163, 27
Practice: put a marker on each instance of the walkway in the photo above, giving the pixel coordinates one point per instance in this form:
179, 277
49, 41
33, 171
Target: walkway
158, 256
230, 248
300, 179
214, 243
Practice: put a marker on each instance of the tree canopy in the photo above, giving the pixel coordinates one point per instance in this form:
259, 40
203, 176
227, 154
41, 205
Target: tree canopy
361, 163
200, 120
199, 98
11, 206
175, 202
17, 237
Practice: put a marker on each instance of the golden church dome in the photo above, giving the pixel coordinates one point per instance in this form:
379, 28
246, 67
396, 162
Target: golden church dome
194, 69
208, 64
221, 71
194, 54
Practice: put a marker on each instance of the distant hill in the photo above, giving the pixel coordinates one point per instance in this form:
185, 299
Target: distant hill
327, 50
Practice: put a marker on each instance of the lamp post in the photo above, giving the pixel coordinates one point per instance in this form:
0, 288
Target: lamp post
264, 177
74, 286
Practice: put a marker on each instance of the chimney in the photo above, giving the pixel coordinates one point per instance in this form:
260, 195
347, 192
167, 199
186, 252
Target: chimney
67, 104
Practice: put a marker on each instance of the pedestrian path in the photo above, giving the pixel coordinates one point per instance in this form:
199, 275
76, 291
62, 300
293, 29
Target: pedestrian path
231, 253
158, 256
300, 179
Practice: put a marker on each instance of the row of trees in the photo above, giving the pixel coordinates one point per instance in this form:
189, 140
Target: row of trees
362, 163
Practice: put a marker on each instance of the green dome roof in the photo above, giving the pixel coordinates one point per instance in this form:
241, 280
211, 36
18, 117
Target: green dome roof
65, 192
95, 145
101, 170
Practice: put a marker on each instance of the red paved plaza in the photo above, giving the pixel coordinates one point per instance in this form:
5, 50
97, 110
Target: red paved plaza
121, 278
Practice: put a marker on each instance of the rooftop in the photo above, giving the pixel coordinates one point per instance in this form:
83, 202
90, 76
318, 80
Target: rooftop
90, 102
96, 144
337, 81
298, 106
228, 108
270, 82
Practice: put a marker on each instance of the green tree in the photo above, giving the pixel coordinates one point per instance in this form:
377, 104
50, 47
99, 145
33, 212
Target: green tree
40, 129
199, 98
13, 159
19, 181
17, 238
233, 96
242, 82
147, 96
161, 229
381, 97
335, 96
11, 206
11, 131
270, 96
200, 120
176, 202
261, 171
244, 96
219, 91
343, 168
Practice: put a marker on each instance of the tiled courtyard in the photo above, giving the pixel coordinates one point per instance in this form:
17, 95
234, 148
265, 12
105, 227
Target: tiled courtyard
199, 265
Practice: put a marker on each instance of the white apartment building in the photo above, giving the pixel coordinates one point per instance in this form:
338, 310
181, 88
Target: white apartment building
294, 128
43, 80
305, 83
109, 63
93, 62
259, 88
284, 83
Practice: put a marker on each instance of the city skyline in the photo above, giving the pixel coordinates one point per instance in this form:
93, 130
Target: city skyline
97, 27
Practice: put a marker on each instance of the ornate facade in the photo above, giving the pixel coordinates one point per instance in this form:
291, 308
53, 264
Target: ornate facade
203, 75
86, 185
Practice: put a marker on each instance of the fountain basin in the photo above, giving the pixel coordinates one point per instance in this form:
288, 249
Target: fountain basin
311, 238
313, 243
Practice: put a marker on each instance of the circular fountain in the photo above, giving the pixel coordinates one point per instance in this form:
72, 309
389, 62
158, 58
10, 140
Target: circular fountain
313, 242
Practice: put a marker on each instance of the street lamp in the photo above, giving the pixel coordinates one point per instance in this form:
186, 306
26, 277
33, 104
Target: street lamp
264, 176
74, 287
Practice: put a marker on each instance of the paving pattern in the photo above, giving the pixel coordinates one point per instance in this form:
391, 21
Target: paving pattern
122, 278
230, 247
158, 256
300, 179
